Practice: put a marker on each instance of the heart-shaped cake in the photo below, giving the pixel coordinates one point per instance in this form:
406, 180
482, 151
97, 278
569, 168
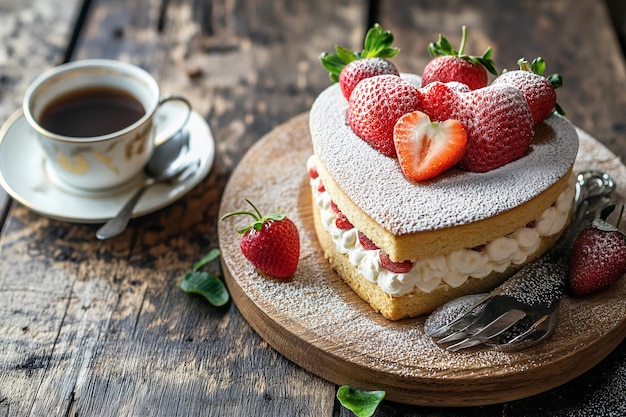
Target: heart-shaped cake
407, 247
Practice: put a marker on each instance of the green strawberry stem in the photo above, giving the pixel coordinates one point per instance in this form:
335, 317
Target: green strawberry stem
463, 40
377, 44
443, 47
259, 219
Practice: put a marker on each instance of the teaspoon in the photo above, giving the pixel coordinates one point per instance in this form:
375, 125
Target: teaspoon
166, 163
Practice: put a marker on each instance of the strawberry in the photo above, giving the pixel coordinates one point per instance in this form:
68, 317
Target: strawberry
366, 242
539, 91
497, 119
376, 104
395, 267
450, 65
271, 243
598, 256
342, 222
349, 67
356, 71
426, 149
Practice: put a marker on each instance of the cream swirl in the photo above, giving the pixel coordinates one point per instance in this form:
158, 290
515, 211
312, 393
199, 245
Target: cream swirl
452, 269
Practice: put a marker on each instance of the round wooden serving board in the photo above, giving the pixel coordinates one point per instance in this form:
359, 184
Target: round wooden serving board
315, 320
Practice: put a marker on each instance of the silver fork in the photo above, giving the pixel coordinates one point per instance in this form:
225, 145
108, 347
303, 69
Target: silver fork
523, 310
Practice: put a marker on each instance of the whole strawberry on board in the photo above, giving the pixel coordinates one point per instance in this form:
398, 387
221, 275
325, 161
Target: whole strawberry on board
451, 65
271, 243
598, 257
539, 91
349, 67
376, 104
497, 119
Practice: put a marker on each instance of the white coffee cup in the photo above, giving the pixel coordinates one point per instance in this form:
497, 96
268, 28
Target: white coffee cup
118, 153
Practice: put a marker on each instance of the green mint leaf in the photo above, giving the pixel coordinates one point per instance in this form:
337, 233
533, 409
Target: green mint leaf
361, 403
207, 285
211, 256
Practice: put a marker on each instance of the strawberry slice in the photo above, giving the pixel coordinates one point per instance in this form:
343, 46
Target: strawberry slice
395, 267
426, 149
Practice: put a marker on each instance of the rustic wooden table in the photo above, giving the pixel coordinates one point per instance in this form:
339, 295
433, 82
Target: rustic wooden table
92, 328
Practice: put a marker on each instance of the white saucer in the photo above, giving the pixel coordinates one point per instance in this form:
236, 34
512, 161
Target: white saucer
24, 176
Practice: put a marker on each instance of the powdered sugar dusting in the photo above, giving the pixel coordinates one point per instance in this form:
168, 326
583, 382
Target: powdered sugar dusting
352, 162
317, 307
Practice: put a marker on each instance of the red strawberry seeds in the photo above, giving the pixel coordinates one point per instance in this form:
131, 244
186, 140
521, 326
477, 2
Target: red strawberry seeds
271, 243
449, 65
540, 92
497, 119
376, 104
598, 258
349, 67
426, 149
363, 68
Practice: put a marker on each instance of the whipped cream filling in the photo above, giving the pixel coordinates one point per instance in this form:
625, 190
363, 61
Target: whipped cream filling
452, 269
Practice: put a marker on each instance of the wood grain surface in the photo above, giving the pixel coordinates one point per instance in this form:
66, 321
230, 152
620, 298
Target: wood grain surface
100, 328
319, 323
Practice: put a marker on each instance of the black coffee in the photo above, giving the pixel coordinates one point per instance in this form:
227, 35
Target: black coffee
93, 111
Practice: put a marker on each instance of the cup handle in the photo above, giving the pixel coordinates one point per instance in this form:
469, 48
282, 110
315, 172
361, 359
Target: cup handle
163, 136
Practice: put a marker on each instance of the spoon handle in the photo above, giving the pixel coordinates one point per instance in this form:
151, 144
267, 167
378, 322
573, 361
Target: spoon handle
117, 224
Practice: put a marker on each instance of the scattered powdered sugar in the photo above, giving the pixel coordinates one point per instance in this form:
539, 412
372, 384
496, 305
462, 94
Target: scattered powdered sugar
316, 306
352, 163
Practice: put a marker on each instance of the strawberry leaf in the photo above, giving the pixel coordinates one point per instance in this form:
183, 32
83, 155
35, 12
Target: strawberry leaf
487, 61
443, 47
538, 66
345, 55
207, 285
333, 64
556, 80
361, 403
376, 44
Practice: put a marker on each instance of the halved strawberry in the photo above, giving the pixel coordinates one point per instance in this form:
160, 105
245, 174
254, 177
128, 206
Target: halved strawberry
366, 242
426, 149
396, 267
342, 222
497, 118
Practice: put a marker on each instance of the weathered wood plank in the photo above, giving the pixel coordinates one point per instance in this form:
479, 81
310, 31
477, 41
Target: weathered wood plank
100, 328
34, 35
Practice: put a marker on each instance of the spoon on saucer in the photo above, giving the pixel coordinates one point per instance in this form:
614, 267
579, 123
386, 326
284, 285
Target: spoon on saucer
166, 163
